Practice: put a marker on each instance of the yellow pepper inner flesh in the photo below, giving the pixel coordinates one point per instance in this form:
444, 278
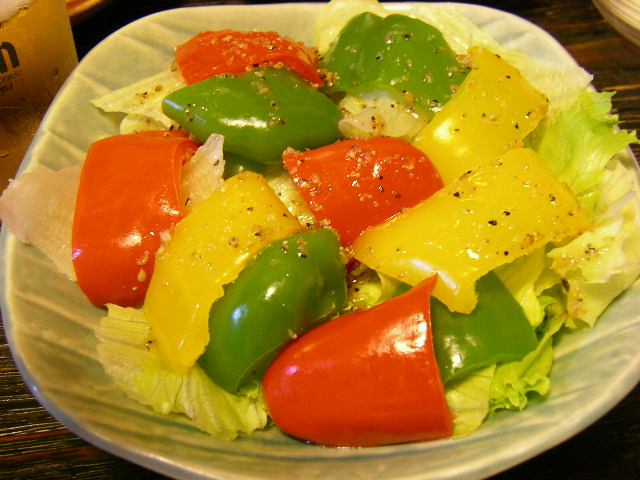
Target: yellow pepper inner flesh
491, 112
207, 250
486, 218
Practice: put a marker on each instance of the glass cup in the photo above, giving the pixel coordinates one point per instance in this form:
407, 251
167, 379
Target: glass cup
37, 53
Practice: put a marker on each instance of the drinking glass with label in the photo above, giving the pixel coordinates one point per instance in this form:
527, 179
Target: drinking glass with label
37, 53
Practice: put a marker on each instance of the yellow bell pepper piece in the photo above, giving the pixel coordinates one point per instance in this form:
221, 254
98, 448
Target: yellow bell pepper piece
491, 112
207, 250
485, 219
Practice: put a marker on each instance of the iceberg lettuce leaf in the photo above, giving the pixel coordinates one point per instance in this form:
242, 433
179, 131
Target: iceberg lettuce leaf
513, 382
127, 355
577, 144
520, 277
378, 113
142, 101
602, 263
468, 400
584, 148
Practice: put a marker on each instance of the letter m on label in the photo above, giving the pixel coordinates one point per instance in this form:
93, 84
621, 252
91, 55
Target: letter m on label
11, 54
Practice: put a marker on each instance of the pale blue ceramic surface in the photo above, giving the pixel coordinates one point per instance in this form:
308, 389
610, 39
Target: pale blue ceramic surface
50, 325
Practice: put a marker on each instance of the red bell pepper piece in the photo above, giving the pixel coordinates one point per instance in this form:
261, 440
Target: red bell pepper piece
357, 183
128, 196
363, 379
231, 51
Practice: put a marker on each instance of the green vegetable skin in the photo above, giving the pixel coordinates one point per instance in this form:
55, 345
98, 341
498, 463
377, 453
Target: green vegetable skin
291, 285
403, 55
496, 331
260, 113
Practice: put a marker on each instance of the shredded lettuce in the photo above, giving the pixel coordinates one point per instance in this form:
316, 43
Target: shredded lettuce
577, 144
134, 122
520, 277
378, 113
581, 147
468, 400
514, 382
602, 263
129, 358
367, 288
142, 102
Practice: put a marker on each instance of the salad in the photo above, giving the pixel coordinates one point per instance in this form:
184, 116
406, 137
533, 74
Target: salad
553, 287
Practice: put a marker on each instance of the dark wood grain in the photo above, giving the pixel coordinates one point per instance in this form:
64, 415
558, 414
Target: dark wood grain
33, 445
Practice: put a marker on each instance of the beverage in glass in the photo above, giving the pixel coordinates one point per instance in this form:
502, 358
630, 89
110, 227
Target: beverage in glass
37, 53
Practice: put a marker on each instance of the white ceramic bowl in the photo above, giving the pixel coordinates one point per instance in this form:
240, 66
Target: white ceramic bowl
623, 15
50, 325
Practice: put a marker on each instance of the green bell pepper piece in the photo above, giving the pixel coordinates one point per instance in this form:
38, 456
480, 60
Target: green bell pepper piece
496, 331
235, 164
401, 54
260, 113
292, 285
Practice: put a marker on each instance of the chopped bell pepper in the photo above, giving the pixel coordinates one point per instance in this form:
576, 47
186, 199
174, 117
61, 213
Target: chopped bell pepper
260, 113
491, 112
231, 51
401, 54
292, 285
234, 164
128, 196
366, 378
487, 218
207, 250
497, 330
356, 183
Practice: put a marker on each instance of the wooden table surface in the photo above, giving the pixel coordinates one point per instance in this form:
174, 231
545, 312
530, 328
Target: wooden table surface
34, 445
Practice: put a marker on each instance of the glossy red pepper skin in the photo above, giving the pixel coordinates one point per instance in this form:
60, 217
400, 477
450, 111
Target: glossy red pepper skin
363, 379
357, 183
230, 51
128, 196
